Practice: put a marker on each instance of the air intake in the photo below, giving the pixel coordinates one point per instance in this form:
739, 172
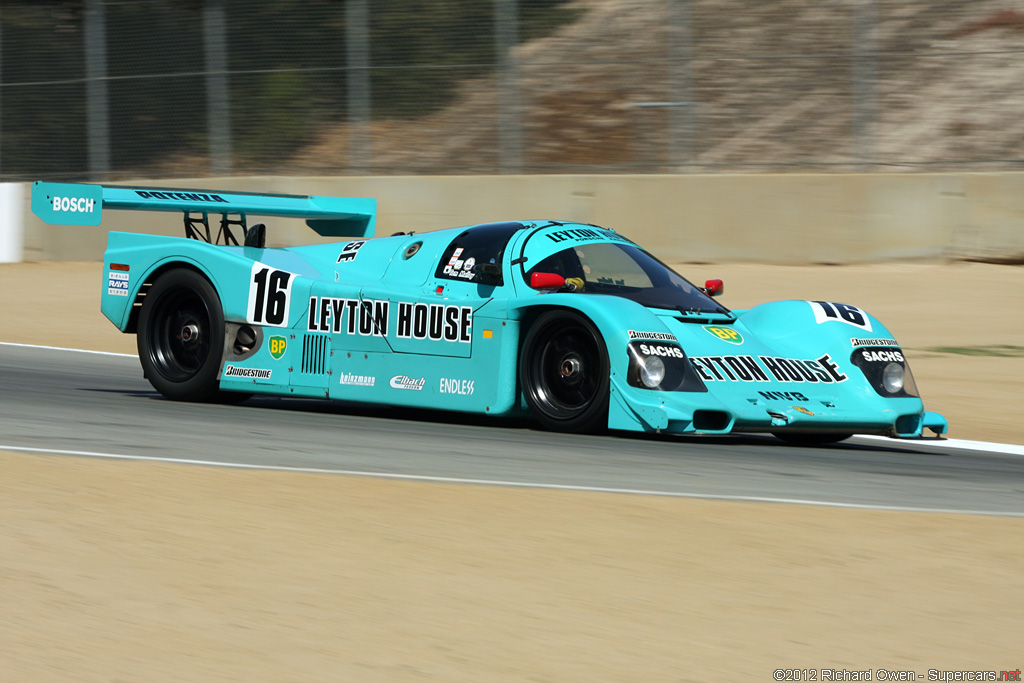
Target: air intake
314, 354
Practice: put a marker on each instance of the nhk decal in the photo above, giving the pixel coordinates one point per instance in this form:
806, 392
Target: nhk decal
767, 369
654, 336
358, 380
826, 311
247, 373
726, 334
436, 322
277, 346
886, 356
270, 293
854, 341
350, 251
368, 317
406, 382
117, 283
463, 387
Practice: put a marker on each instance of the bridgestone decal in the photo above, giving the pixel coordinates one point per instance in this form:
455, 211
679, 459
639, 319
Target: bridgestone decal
653, 336
247, 373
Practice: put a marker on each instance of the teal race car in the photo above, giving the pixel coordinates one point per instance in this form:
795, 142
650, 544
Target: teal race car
573, 324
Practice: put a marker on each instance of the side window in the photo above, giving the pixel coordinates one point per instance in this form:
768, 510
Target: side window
483, 244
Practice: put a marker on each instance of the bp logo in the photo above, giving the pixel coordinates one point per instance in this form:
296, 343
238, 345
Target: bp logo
277, 347
726, 334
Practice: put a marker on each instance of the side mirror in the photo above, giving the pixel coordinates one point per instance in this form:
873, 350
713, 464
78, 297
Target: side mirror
487, 274
547, 281
713, 287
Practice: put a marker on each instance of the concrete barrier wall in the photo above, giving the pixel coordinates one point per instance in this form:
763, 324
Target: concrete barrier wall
11, 221
697, 218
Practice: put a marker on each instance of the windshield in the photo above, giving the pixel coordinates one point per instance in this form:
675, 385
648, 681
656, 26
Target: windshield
626, 271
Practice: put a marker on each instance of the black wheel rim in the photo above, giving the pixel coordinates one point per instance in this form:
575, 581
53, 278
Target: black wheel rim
566, 373
180, 334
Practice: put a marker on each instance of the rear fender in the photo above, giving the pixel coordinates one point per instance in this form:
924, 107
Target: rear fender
232, 271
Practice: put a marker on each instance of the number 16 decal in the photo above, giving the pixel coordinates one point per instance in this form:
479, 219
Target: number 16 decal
825, 311
270, 294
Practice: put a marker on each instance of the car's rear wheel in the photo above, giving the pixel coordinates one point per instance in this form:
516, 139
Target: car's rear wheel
811, 438
564, 370
181, 336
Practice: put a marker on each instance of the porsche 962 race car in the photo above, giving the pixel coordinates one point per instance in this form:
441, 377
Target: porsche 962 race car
573, 324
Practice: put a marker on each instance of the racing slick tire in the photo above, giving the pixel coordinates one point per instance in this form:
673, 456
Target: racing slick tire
181, 338
810, 438
564, 372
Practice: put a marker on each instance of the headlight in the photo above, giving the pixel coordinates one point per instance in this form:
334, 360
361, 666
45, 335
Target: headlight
892, 378
652, 371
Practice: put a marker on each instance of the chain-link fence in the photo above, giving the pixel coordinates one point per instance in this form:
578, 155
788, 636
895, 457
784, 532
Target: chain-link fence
100, 89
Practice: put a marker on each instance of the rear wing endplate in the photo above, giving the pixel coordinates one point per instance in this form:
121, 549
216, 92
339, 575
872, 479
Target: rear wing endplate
83, 204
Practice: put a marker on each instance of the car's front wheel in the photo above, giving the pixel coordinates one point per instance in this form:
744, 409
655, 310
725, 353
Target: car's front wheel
564, 370
181, 336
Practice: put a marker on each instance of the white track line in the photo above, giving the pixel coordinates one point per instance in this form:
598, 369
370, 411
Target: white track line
992, 447
509, 484
61, 348
1005, 448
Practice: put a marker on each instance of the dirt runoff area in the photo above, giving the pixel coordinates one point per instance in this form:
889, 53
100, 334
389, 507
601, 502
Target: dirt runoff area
147, 571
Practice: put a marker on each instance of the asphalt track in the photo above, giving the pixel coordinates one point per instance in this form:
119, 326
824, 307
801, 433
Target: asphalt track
59, 401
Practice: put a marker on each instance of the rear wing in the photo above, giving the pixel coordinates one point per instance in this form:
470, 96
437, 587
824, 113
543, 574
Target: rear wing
83, 204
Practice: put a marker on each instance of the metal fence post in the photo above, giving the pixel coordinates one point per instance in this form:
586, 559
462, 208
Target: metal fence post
865, 81
218, 94
357, 49
510, 124
680, 117
1, 91
97, 106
